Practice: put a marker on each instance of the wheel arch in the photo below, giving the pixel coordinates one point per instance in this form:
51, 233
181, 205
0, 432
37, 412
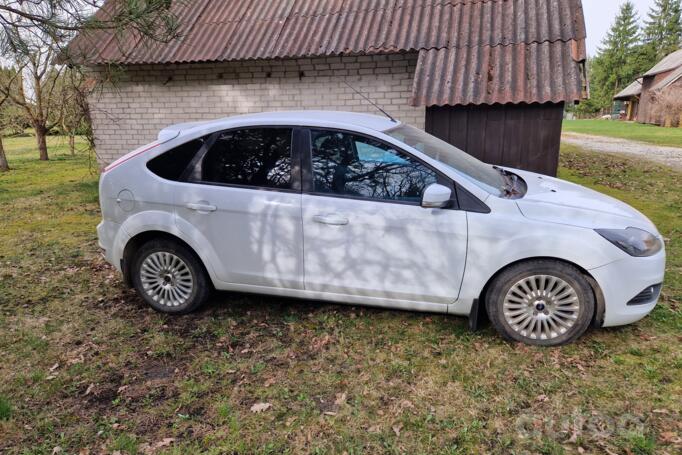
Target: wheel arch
135, 242
479, 313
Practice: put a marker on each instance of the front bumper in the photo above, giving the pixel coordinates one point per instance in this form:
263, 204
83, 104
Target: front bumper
624, 279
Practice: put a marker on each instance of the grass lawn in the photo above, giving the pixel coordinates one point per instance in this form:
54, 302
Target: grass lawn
86, 365
626, 130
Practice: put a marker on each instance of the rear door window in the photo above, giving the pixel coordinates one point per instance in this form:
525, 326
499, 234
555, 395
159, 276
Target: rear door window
258, 157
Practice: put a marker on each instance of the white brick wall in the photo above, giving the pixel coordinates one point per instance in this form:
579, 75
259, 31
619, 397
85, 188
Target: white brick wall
146, 98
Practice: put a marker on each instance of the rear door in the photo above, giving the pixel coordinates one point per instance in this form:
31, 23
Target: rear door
242, 192
365, 232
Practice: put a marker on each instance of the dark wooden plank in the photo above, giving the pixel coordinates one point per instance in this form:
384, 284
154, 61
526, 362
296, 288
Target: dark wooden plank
476, 133
459, 125
494, 137
522, 136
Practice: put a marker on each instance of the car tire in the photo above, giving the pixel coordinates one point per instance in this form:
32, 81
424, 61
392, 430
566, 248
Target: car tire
540, 302
170, 277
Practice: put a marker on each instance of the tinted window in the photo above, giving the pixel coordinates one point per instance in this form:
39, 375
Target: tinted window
351, 165
171, 164
255, 157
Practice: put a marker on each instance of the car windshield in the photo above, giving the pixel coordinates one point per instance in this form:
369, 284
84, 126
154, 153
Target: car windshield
484, 175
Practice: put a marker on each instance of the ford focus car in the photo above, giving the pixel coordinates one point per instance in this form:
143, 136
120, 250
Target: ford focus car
365, 210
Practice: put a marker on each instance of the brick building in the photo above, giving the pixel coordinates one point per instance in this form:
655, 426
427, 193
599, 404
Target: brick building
490, 76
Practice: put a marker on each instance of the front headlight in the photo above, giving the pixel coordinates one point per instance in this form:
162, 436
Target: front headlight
635, 242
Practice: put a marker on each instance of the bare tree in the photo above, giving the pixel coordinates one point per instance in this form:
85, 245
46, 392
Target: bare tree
34, 35
4, 165
37, 93
74, 89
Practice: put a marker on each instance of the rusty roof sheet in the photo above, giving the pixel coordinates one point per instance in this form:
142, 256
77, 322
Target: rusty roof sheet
474, 30
528, 73
254, 29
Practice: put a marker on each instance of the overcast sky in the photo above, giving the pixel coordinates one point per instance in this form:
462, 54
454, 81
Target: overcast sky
600, 14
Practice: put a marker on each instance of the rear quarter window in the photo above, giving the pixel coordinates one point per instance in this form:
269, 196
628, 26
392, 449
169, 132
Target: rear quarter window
171, 165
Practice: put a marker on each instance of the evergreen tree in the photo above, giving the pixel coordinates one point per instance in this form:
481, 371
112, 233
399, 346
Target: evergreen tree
663, 29
618, 61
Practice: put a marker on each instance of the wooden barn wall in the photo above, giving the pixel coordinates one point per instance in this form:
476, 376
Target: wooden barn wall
646, 112
524, 136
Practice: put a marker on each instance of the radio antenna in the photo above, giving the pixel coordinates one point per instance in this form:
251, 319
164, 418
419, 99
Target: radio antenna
371, 102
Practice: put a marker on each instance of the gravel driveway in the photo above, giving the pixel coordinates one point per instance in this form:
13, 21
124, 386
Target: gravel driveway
672, 156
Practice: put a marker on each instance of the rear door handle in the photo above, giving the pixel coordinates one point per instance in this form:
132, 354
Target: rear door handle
201, 207
333, 219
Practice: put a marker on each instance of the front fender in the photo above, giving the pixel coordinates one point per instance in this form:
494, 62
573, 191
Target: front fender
495, 241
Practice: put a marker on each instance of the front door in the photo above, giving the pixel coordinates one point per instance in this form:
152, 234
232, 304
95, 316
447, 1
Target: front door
364, 230
240, 194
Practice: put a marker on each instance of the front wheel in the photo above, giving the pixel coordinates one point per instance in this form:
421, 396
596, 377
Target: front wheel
540, 302
169, 277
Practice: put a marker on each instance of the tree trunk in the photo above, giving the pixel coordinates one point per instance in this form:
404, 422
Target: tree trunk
72, 144
4, 166
41, 139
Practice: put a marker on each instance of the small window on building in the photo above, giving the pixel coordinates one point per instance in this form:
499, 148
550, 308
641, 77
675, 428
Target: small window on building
171, 165
346, 164
259, 157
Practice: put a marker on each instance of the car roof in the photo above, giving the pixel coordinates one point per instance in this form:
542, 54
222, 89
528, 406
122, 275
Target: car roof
336, 119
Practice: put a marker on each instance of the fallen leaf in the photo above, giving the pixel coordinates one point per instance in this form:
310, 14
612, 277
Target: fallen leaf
406, 404
340, 399
89, 389
329, 413
151, 448
541, 398
670, 437
260, 407
54, 367
56, 449
397, 428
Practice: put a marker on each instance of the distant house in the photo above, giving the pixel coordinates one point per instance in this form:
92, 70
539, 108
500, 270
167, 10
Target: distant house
640, 96
630, 95
491, 77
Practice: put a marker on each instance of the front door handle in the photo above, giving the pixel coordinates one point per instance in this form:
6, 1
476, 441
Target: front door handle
201, 207
332, 219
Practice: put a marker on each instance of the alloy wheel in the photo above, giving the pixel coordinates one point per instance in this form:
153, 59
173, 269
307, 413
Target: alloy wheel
541, 307
166, 279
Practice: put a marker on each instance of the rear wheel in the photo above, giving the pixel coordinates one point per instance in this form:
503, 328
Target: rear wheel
540, 302
169, 277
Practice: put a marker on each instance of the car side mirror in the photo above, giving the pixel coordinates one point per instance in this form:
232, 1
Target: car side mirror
436, 196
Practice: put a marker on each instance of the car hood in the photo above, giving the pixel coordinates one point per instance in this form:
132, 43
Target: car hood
557, 201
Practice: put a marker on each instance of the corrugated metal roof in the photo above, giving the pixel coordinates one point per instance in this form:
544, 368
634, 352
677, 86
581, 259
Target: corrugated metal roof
254, 29
472, 30
634, 89
529, 73
669, 62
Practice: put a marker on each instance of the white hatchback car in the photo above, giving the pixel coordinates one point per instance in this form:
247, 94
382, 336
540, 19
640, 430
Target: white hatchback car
360, 209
